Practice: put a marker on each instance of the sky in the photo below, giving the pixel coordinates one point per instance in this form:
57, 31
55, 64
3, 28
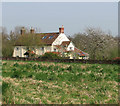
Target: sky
49, 16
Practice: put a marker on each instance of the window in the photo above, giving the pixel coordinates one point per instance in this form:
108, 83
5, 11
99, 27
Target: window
17, 48
42, 48
44, 37
70, 48
54, 49
50, 37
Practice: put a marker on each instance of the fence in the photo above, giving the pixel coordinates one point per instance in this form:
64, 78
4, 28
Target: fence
64, 60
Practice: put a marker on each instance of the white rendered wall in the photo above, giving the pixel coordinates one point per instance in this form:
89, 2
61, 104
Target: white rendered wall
62, 37
20, 52
70, 45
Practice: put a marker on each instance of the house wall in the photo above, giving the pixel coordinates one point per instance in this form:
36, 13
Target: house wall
39, 51
62, 37
22, 49
19, 51
48, 48
71, 45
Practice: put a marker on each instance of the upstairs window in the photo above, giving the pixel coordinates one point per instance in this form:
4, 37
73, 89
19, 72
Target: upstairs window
70, 48
17, 48
54, 49
42, 48
50, 37
44, 37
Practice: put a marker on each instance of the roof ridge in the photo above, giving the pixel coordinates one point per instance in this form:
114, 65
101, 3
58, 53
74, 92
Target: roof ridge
48, 33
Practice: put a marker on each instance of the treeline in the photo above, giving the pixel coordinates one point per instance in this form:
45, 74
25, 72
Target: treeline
98, 44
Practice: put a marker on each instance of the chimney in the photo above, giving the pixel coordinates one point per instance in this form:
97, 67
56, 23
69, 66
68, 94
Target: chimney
32, 30
61, 29
22, 31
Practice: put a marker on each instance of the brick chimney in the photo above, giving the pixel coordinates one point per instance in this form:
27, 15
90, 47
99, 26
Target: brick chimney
22, 31
32, 30
61, 29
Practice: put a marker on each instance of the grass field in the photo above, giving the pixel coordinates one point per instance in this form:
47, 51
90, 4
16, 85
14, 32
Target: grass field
59, 83
0, 82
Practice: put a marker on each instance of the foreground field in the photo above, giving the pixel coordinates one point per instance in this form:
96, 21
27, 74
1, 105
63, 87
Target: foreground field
59, 83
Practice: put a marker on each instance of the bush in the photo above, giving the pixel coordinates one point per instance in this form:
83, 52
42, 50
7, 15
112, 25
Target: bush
50, 56
117, 58
4, 63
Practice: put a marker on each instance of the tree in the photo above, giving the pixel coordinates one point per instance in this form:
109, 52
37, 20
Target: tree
98, 44
80, 41
31, 41
7, 48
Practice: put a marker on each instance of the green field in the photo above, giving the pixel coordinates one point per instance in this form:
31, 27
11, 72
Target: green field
59, 83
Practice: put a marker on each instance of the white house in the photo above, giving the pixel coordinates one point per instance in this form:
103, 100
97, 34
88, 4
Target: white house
56, 42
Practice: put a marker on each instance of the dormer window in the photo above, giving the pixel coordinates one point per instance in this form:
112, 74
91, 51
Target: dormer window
44, 37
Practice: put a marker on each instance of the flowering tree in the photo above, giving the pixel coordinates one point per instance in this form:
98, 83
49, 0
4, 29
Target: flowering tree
97, 43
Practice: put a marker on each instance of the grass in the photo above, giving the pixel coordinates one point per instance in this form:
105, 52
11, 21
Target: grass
59, 83
0, 82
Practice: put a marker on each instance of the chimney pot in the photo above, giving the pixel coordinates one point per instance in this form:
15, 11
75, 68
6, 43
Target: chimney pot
32, 30
22, 31
61, 29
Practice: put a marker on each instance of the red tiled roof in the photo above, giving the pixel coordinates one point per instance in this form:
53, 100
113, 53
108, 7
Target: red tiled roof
76, 50
116, 58
47, 40
54, 52
81, 53
64, 43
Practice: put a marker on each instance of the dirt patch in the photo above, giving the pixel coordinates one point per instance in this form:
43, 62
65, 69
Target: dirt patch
22, 63
83, 67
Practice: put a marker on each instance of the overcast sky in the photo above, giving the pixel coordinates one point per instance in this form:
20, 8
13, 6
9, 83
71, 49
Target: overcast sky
49, 16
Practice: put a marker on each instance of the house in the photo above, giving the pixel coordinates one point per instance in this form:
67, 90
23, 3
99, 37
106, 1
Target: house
56, 42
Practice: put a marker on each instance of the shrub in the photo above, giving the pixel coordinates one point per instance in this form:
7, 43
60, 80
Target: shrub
4, 63
50, 56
